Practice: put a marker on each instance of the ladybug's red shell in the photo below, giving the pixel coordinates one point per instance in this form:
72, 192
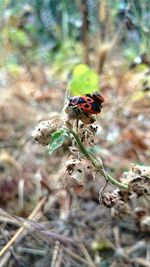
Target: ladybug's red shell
90, 104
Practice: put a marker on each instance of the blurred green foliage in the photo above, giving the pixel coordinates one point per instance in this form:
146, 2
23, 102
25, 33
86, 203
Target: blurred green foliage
49, 32
84, 80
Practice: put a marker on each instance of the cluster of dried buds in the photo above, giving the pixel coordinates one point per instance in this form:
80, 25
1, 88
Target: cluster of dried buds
77, 167
42, 133
122, 202
142, 219
138, 181
88, 134
74, 173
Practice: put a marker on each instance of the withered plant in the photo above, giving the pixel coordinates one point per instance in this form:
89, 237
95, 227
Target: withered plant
81, 128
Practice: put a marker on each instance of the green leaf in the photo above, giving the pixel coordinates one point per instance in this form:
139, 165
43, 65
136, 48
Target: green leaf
84, 80
18, 36
13, 69
57, 139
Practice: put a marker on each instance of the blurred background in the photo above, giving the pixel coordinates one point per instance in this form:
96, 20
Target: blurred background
42, 43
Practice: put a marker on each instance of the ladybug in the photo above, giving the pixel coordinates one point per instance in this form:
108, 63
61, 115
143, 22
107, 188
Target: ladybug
89, 103
83, 107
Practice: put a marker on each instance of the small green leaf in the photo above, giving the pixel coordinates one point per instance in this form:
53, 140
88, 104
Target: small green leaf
84, 80
57, 139
137, 96
18, 36
13, 69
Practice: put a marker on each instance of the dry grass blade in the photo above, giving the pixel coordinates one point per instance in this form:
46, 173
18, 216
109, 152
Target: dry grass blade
142, 262
4, 260
31, 216
87, 255
78, 258
57, 255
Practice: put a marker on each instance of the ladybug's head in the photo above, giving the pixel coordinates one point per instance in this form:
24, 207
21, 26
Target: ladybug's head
98, 97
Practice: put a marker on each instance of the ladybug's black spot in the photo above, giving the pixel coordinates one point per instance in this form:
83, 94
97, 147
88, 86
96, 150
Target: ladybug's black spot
86, 106
88, 99
81, 100
96, 107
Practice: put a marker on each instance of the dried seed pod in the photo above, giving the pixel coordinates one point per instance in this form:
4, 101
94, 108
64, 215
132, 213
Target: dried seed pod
139, 213
138, 179
140, 170
109, 199
87, 134
140, 185
142, 220
136, 171
42, 133
145, 224
124, 195
121, 210
73, 174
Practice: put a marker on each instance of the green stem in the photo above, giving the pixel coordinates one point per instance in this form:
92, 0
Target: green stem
98, 165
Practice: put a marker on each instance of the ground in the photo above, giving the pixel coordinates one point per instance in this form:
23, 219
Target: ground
67, 229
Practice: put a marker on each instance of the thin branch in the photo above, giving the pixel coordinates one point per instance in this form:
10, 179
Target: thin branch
97, 164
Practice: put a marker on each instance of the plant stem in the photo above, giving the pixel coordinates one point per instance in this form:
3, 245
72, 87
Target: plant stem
98, 165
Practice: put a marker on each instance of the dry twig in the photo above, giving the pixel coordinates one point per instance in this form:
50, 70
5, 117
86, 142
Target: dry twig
20, 231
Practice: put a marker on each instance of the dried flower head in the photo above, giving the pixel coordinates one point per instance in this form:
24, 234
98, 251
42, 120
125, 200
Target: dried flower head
138, 179
87, 134
109, 199
145, 224
42, 133
140, 185
121, 210
74, 173
139, 213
